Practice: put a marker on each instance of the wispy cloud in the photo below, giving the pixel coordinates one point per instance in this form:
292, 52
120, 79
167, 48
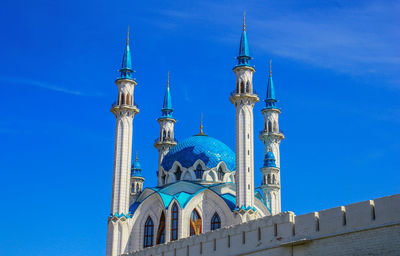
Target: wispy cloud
44, 85
354, 39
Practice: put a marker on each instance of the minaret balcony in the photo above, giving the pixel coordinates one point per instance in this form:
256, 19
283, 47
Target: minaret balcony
243, 96
276, 134
165, 141
132, 107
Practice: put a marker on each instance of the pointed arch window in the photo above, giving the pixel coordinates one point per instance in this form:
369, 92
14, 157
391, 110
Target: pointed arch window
123, 99
215, 222
178, 173
199, 171
269, 178
220, 174
195, 223
174, 222
273, 178
148, 232
161, 230
241, 87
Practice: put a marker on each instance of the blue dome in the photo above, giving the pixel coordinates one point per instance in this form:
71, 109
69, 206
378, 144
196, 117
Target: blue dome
210, 150
269, 160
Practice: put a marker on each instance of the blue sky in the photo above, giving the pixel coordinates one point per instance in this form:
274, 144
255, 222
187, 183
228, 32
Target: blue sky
335, 69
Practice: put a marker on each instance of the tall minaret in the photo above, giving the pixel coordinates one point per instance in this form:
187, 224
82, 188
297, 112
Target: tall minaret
271, 183
166, 140
244, 98
124, 110
271, 136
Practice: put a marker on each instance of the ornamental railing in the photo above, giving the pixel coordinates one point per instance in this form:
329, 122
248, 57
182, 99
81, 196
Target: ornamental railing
132, 105
265, 131
234, 92
166, 139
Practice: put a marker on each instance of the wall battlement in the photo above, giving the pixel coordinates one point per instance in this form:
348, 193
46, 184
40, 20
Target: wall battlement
344, 228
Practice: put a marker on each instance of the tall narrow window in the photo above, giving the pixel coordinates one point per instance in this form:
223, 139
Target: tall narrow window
178, 173
148, 233
137, 188
247, 87
123, 99
174, 222
169, 134
161, 230
269, 178
269, 126
215, 222
127, 99
273, 178
241, 87
195, 223
199, 172
220, 174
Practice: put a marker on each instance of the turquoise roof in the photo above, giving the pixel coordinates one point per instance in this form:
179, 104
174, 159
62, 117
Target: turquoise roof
269, 160
244, 55
136, 170
210, 150
126, 67
167, 105
184, 197
270, 100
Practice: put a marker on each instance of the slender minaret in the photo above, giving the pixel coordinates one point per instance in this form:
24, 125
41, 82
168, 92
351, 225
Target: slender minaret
166, 140
137, 180
271, 183
244, 99
124, 110
271, 136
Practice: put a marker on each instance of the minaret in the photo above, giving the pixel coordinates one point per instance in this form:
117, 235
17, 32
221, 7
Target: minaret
124, 110
137, 180
166, 140
271, 136
244, 98
271, 183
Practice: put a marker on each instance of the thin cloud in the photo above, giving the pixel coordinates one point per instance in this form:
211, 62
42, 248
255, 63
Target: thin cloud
44, 85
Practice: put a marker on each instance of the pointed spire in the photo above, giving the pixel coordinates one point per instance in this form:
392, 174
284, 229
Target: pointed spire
270, 99
126, 68
136, 169
244, 57
201, 133
167, 105
244, 21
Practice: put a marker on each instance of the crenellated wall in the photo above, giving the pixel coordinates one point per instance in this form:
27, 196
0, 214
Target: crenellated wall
366, 228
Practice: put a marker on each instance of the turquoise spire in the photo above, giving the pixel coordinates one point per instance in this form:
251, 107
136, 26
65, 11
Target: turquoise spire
270, 99
269, 160
136, 170
244, 57
167, 106
126, 69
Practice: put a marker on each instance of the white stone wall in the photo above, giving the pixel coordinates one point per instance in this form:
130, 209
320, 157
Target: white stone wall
366, 228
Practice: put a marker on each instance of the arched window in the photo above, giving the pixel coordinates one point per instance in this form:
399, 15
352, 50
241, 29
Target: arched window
148, 233
241, 87
123, 99
161, 230
178, 173
269, 126
247, 87
220, 173
127, 99
164, 134
273, 178
137, 188
169, 134
174, 222
199, 171
133, 188
195, 223
215, 222
269, 179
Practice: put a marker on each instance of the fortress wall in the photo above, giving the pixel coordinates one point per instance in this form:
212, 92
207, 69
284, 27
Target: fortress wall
371, 227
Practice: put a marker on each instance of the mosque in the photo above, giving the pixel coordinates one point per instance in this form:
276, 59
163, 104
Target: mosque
202, 184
